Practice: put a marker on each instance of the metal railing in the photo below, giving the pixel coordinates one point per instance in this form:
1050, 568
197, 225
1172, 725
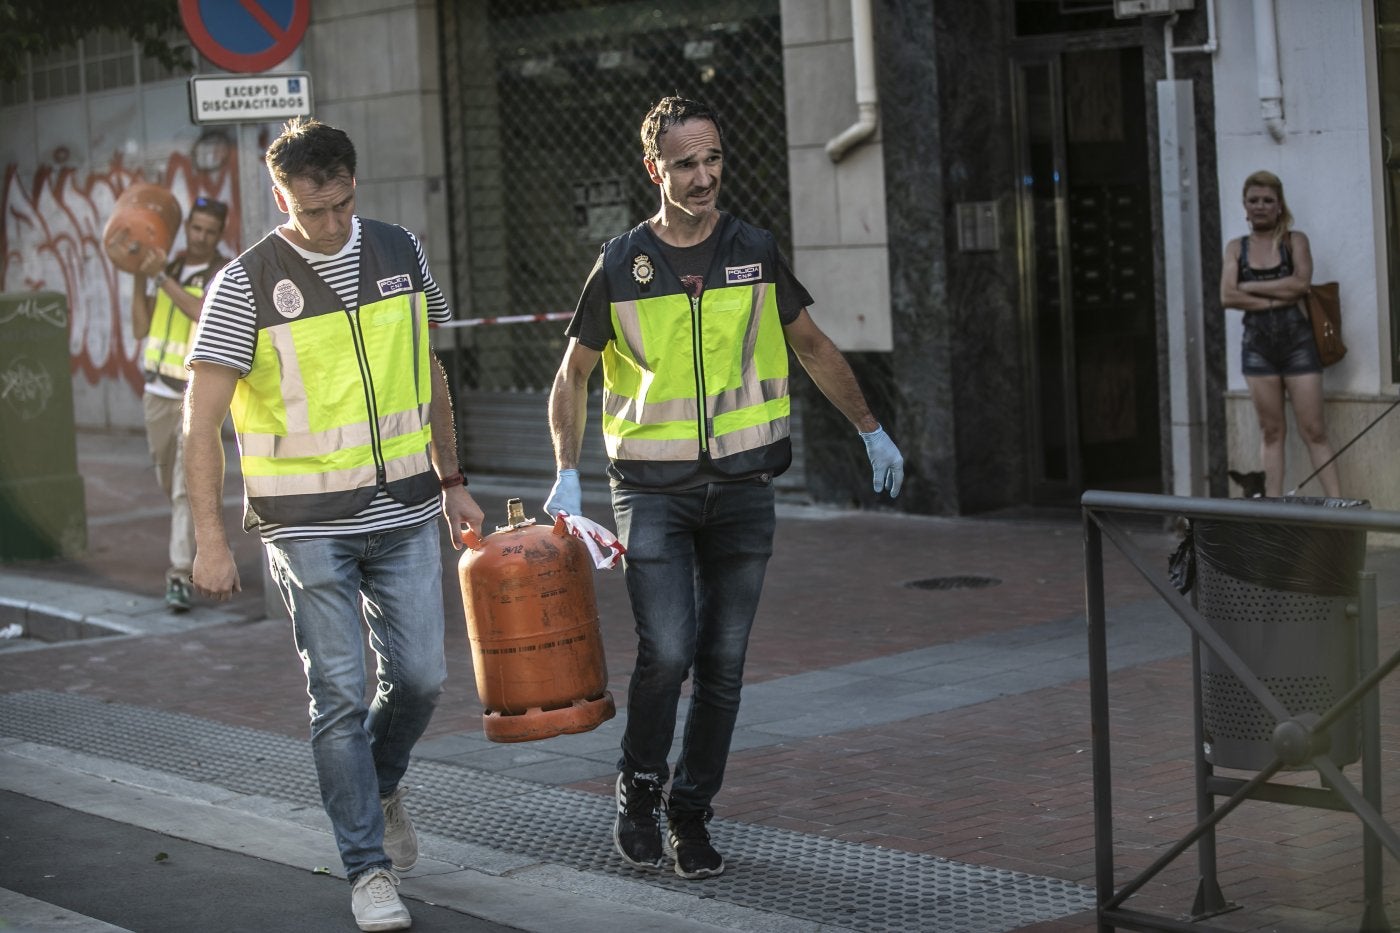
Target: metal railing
1297, 740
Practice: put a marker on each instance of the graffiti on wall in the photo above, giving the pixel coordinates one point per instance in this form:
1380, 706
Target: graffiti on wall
28, 377
51, 240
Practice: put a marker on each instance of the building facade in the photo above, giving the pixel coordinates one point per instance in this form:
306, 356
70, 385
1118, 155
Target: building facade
1010, 214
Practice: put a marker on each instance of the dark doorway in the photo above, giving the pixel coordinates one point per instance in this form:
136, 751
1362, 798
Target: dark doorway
1087, 289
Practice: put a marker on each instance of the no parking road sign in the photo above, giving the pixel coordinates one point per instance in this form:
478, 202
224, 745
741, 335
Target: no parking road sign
249, 99
246, 35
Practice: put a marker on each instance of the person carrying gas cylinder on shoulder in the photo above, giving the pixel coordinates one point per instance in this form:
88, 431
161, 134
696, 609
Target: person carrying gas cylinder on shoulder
166, 301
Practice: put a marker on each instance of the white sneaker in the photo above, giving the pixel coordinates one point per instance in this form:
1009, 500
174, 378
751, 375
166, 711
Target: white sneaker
376, 904
400, 838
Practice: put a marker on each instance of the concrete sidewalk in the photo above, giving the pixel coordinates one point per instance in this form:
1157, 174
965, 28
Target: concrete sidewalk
913, 751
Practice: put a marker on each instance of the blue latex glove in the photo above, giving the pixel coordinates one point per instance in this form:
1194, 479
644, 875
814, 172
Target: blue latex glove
565, 496
885, 461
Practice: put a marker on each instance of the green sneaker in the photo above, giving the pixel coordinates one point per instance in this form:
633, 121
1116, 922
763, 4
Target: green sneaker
177, 594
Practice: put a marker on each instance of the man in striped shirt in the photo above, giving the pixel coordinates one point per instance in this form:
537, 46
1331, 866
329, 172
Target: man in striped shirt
316, 339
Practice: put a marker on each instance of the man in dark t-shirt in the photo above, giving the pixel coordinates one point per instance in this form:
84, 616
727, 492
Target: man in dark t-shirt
692, 313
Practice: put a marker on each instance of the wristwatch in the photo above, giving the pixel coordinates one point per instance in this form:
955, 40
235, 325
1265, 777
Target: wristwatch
160, 279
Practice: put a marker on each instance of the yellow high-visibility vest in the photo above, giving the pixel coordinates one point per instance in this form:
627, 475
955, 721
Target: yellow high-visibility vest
171, 330
686, 376
336, 404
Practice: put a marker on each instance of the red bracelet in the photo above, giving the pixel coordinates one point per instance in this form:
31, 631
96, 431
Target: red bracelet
456, 479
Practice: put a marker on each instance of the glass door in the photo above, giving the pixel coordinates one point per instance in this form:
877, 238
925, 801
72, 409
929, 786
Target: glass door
1086, 251
1047, 328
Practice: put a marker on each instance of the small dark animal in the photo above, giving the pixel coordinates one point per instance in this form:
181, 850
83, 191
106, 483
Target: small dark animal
1251, 484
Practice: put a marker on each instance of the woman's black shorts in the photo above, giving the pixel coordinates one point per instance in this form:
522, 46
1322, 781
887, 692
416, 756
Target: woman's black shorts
1279, 343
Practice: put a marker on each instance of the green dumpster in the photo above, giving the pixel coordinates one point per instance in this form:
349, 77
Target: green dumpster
42, 510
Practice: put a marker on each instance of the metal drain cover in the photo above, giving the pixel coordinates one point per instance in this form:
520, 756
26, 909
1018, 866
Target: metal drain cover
953, 583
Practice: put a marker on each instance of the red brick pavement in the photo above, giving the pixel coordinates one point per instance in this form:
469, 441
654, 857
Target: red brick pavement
1004, 784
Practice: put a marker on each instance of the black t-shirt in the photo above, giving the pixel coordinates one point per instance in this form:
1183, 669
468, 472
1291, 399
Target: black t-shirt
592, 320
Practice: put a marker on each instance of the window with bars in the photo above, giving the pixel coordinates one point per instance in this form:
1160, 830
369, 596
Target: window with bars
57, 74
544, 102
109, 61
103, 60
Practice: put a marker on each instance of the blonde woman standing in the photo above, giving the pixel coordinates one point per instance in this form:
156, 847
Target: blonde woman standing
1265, 275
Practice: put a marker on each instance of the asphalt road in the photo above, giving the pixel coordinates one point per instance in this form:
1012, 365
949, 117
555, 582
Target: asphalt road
164, 884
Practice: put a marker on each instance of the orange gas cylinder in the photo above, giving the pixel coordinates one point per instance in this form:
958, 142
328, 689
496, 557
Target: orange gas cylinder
533, 623
144, 217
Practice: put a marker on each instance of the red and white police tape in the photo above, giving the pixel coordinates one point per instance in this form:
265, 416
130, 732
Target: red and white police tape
509, 319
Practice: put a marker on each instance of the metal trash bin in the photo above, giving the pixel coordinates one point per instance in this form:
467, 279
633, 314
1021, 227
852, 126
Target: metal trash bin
1277, 595
42, 509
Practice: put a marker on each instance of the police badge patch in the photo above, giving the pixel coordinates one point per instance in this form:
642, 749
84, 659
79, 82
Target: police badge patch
738, 275
395, 284
287, 298
642, 270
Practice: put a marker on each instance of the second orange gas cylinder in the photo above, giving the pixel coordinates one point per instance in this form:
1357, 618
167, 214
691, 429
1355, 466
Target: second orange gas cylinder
144, 216
533, 623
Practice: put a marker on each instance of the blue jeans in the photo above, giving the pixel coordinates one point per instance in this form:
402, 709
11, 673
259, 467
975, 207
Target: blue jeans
694, 570
392, 582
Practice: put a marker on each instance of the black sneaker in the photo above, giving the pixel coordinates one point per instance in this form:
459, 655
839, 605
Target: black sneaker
637, 830
690, 841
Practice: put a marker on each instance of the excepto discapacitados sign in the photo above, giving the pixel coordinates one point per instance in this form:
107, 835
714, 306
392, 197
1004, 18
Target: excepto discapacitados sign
249, 98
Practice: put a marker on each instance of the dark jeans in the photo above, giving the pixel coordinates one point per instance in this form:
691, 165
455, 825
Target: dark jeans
694, 569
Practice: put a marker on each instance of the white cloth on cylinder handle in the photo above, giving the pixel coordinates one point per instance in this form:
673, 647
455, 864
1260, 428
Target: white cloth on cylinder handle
602, 544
